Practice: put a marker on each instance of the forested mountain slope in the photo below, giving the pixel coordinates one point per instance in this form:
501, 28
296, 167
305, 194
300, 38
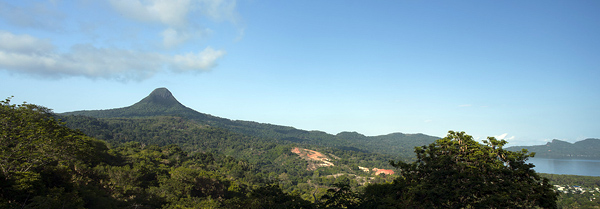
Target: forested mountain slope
160, 120
194, 137
161, 102
47, 165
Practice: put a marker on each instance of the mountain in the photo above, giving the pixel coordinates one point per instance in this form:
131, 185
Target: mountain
161, 102
161, 97
394, 143
586, 149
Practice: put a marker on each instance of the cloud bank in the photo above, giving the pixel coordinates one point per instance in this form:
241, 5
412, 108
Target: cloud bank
27, 54
172, 24
174, 15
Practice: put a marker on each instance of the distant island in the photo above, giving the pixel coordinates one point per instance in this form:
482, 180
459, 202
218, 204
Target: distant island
585, 149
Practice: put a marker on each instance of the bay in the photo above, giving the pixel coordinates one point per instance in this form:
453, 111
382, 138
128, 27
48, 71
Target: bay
581, 167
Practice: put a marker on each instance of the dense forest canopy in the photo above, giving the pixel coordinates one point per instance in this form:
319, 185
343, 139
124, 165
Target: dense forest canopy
48, 165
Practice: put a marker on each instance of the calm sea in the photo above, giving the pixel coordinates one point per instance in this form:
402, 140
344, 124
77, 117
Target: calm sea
579, 167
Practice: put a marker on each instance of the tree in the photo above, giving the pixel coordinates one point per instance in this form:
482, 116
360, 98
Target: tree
41, 161
271, 196
341, 196
458, 172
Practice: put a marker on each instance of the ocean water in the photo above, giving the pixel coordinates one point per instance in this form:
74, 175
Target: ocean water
581, 167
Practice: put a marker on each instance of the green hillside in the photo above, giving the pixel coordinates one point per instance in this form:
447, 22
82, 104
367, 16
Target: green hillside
159, 119
161, 102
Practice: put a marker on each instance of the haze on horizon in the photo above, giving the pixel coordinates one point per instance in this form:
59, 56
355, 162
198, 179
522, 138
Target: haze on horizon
527, 72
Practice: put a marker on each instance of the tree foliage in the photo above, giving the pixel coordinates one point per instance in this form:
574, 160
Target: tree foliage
40, 156
458, 172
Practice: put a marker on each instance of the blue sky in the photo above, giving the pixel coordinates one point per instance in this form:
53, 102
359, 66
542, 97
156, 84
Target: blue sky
525, 71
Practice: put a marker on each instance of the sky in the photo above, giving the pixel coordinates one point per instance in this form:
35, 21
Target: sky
524, 71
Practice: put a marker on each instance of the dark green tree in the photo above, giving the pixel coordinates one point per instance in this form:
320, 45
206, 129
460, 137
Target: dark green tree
458, 172
41, 161
341, 196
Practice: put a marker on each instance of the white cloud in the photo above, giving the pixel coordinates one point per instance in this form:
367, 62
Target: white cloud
176, 15
169, 12
173, 13
18, 53
87, 60
203, 60
172, 37
178, 22
219, 9
23, 43
501, 136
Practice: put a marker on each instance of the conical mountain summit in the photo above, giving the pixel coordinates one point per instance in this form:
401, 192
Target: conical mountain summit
160, 96
160, 102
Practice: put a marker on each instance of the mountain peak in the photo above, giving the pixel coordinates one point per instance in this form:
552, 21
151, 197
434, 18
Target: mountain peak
158, 103
162, 92
160, 96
